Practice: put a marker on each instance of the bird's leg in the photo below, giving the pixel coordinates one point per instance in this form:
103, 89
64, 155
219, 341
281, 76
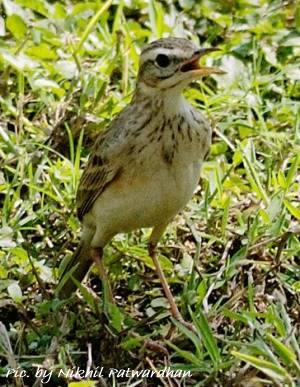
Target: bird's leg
174, 309
156, 234
97, 257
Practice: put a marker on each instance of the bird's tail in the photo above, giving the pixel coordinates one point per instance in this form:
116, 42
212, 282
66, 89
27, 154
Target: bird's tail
75, 267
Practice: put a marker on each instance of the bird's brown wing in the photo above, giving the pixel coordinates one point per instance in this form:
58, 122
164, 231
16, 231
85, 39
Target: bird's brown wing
95, 178
99, 172
111, 149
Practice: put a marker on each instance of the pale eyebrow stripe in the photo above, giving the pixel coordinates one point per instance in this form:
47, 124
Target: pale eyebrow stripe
151, 54
157, 45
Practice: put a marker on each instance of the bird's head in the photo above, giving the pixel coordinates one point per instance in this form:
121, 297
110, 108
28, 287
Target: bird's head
172, 62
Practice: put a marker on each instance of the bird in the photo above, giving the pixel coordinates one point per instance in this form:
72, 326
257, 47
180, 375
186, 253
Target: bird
145, 167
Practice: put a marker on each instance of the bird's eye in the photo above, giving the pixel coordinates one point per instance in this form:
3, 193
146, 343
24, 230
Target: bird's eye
162, 60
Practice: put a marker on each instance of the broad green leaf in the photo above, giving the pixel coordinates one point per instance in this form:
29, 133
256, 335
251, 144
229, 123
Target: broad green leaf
16, 25
41, 51
21, 254
59, 11
38, 6
219, 148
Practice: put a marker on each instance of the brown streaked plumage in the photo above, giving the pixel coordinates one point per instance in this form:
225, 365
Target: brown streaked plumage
145, 166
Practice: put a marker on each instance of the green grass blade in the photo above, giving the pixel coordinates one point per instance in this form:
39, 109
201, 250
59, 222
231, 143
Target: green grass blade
209, 341
286, 354
189, 334
268, 368
92, 24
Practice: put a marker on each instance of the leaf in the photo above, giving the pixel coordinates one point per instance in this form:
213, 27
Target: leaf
38, 6
142, 255
130, 343
292, 72
209, 341
116, 317
6, 237
292, 171
295, 211
59, 11
254, 179
265, 366
284, 352
15, 292
19, 62
219, 148
292, 41
16, 25
21, 253
236, 316
41, 51
189, 334
235, 71
66, 68
159, 302
11, 7
275, 207
187, 355
270, 52
245, 131
156, 18
45, 272
45, 84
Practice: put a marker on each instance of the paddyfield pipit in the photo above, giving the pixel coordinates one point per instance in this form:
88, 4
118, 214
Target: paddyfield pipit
145, 167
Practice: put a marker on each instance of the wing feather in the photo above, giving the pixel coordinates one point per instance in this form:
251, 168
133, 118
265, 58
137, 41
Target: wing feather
99, 172
110, 154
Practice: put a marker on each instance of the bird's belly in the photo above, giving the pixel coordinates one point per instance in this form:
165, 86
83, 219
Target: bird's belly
146, 199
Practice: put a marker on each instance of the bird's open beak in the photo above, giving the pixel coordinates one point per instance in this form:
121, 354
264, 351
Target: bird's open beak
193, 65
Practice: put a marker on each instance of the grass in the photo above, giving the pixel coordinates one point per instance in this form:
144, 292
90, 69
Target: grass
232, 256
